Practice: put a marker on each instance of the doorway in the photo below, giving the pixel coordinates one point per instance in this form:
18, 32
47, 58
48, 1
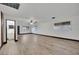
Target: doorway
1, 29
10, 30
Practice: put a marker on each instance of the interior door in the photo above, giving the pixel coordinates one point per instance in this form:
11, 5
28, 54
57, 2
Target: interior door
11, 30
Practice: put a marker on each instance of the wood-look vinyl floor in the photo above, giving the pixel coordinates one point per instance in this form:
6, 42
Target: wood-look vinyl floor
40, 45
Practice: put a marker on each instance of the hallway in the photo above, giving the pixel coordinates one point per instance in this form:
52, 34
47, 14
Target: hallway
31, 44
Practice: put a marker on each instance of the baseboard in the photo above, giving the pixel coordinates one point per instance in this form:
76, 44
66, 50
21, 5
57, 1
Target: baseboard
49, 36
1, 46
16, 40
4, 42
56, 37
24, 33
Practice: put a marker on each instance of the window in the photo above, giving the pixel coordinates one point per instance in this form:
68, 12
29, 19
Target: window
13, 5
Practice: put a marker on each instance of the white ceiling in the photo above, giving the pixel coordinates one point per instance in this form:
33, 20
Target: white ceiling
42, 10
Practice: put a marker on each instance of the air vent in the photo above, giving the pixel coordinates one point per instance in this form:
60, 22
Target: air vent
62, 23
13, 5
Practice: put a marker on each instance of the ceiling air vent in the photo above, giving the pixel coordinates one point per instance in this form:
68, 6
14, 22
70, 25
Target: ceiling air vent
13, 5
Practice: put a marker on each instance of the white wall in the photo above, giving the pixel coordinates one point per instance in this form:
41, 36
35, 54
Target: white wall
24, 30
10, 18
43, 13
19, 22
22, 25
47, 28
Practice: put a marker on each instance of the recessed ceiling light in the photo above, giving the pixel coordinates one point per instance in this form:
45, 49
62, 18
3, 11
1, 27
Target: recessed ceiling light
53, 17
